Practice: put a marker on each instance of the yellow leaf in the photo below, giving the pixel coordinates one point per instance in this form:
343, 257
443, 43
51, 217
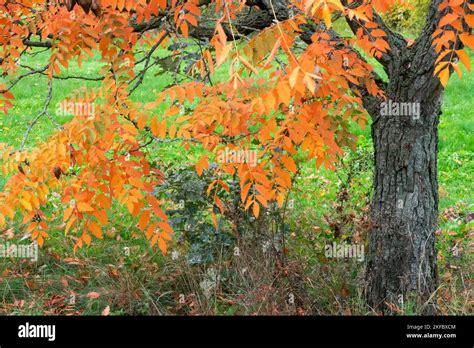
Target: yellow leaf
444, 76
309, 83
222, 55
7, 211
84, 207
256, 209
69, 225
294, 76
327, 16
67, 214
26, 204
338, 4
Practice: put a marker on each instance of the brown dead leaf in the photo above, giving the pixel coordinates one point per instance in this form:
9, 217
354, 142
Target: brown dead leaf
344, 292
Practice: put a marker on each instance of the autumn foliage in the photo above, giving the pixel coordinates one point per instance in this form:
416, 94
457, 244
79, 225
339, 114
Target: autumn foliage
303, 102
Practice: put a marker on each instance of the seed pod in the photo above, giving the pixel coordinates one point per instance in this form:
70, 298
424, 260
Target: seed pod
96, 7
70, 4
57, 172
85, 4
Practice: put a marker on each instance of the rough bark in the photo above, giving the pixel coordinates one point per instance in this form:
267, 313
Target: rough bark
259, 15
402, 254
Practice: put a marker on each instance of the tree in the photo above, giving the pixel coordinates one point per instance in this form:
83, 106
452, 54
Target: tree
294, 86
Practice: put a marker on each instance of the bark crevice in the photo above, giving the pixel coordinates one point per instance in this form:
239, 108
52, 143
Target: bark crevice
402, 254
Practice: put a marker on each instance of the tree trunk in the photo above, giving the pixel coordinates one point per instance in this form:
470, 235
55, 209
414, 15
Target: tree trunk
402, 255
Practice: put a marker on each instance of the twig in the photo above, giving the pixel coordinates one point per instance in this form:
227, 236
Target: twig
41, 114
32, 72
141, 75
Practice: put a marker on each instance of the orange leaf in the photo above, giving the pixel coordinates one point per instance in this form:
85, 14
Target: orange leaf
273, 52
248, 65
468, 40
84, 207
202, 164
165, 227
289, 164
172, 131
95, 229
154, 126
162, 245
144, 219
464, 58
256, 209
444, 76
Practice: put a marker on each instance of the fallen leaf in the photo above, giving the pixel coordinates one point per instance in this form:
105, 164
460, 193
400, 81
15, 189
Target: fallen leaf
106, 311
93, 295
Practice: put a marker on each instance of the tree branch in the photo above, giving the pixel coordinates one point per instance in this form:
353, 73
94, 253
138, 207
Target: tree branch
371, 103
41, 114
397, 42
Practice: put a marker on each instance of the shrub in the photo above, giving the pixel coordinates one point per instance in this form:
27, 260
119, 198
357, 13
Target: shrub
407, 15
